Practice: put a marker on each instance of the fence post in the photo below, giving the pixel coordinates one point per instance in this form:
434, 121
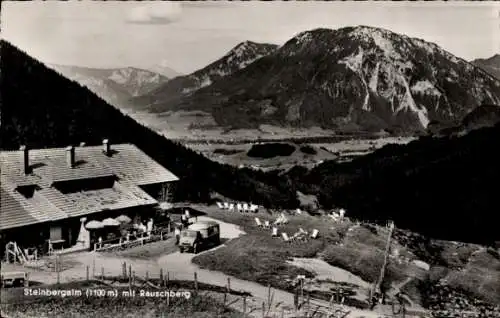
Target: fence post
228, 285
225, 299
87, 273
269, 296
168, 278
296, 299
130, 281
147, 276
308, 302
133, 278
301, 291
244, 305
57, 270
263, 309
195, 281
160, 283
124, 270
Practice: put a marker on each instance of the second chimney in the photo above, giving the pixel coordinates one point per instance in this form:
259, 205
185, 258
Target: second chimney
26, 159
70, 156
106, 147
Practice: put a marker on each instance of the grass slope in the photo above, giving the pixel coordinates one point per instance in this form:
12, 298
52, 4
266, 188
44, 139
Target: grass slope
256, 256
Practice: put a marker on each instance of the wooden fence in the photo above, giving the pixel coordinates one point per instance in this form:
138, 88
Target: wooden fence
160, 233
241, 301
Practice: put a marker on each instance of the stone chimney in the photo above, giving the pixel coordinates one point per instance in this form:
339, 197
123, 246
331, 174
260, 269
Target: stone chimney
106, 147
26, 159
70, 156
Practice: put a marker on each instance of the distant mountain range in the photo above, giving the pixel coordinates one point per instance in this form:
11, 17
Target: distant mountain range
117, 85
237, 58
354, 78
491, 65
163, 69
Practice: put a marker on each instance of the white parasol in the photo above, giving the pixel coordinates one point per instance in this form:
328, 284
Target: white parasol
92, 225
110, 222
123, 219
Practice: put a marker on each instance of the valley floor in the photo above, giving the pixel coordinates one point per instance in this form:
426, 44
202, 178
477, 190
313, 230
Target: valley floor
343, 150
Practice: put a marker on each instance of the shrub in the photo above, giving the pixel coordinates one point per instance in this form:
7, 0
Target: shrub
308, 150
270, 150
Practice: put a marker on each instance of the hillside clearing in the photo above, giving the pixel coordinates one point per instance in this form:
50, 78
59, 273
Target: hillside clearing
348, 250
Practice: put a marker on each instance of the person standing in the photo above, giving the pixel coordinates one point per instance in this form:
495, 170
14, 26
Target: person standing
183, 220
177, 232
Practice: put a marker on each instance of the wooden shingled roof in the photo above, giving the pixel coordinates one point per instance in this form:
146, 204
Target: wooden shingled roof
127, 163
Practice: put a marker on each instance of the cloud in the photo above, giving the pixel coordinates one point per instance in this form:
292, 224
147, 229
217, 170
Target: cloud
161, 12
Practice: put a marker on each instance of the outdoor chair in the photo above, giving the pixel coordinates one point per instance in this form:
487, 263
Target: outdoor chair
274, 232
281, 221
226, 205
29, 256
254, 208
239, 207
258, 222
342, 213
296, 235
303, 234
300, 236
231, 207
220, 205
286, 238
267, 225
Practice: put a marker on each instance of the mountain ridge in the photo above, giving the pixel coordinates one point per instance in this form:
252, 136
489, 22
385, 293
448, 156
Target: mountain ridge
360, 78
115, 85
237, 58
490, 65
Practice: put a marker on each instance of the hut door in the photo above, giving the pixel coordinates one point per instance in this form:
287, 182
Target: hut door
55, 233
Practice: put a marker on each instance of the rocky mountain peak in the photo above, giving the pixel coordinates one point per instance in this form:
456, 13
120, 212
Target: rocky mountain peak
353, 78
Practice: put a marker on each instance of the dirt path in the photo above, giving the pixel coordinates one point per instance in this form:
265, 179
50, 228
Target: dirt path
325, 271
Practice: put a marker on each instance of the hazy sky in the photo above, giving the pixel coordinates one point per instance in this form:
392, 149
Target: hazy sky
188, 35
